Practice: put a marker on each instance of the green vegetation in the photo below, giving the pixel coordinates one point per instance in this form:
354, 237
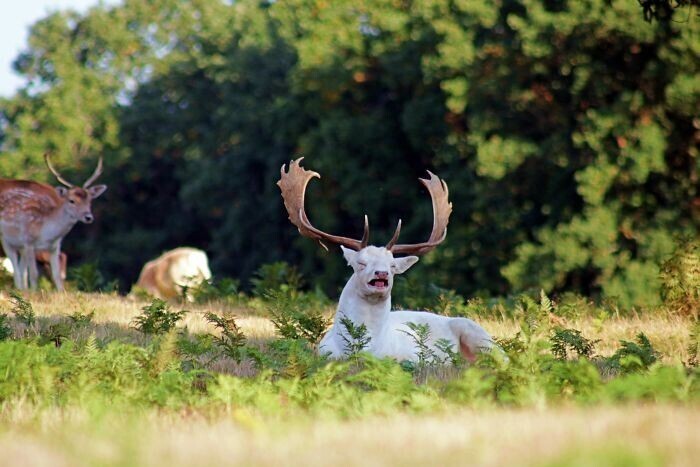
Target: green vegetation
176, 369
566, 131
92, 369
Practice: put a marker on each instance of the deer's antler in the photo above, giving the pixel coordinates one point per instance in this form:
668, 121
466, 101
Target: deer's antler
293, 185
442, 209
56, 174
95, 174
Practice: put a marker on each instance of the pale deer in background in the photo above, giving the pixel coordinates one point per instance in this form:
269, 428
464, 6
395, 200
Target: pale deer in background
43, 257
173, 273
35, 216
366, 298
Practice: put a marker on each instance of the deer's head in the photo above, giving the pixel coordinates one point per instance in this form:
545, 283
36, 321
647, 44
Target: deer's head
78, 200
375, 267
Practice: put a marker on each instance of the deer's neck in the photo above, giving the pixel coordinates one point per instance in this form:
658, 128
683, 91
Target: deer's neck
57, 224
373, 313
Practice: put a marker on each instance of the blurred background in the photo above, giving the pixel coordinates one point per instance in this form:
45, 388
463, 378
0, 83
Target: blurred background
568, 133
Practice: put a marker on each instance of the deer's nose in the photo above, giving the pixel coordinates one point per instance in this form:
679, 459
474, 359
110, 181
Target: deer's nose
381, 274
87, 218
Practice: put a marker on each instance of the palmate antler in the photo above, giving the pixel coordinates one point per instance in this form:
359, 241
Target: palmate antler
90, 181
293, 185
442, 209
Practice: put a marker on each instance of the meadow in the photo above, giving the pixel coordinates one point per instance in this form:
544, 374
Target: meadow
103, 379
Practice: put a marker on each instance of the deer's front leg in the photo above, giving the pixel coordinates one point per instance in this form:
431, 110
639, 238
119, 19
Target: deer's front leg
29, 265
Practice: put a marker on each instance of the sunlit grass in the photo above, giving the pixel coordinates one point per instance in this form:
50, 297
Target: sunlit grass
548, 434
629, 435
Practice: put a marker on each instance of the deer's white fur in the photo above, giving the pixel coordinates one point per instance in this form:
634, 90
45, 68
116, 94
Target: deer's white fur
168, 275
368, 304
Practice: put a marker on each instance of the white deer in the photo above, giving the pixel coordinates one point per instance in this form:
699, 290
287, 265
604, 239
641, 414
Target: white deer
174, 273
366, 298
35, 216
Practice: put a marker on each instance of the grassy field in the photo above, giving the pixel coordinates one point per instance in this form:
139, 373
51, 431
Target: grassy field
276, 423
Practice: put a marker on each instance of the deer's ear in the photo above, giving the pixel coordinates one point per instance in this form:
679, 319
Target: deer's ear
96, 190
401, 265
61, 190
350, 256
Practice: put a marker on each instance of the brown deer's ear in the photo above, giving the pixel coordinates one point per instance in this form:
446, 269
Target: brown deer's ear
61, 190
96, 190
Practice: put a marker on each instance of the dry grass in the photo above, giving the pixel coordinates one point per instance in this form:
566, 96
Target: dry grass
633, 435
669, 334
114, 315
564, 435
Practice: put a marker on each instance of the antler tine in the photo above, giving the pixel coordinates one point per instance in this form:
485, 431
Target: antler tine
55, 172
95, 174
442, 209
293, 184
395, 238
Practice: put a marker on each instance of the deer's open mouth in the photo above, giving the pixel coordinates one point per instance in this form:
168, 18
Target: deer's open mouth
379, 283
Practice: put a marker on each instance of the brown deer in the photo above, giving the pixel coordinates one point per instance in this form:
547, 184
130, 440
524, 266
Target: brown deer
366, 298
35, 216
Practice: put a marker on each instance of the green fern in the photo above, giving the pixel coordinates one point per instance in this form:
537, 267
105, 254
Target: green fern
634, 356
565, 340
296, 315
231, 341
355, 338
420, 333
157, 318
22, 309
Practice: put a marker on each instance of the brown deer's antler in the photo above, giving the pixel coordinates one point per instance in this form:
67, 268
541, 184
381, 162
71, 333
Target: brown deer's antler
90, 181
442, 209
293, 185
95, 174
56, 174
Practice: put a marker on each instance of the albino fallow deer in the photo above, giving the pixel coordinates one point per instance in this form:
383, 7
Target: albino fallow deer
174, 272
366, 298
35, 216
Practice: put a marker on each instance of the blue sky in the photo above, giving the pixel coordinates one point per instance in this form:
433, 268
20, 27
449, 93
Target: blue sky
15, 21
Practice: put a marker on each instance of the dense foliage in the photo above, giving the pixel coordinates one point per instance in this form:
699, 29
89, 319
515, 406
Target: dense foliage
67, 361
567, 131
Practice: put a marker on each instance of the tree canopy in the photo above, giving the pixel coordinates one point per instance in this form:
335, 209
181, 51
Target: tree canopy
567, 131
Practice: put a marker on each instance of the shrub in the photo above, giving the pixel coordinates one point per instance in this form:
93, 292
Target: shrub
22, 309
694, 344
565, 340
355, 337
5, 329
272, 277
88, 278
231, 341
296, 315
157, 318
680, 279
634, 356
226, 289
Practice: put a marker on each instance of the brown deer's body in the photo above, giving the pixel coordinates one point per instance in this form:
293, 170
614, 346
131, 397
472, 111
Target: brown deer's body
43, 258
35, 216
